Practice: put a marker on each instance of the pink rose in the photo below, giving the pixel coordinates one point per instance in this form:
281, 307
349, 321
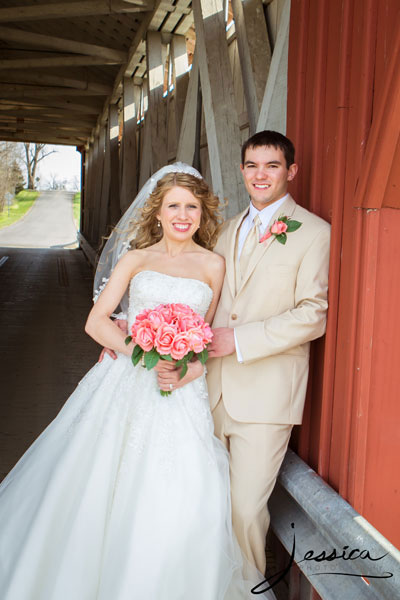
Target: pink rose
144, 335
184, 309
164, 338
196, 339
166, 312
278, 227
180, 346
185, 322
156, 318
207, 333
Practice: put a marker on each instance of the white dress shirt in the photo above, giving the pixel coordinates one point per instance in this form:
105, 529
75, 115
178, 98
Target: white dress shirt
265, 216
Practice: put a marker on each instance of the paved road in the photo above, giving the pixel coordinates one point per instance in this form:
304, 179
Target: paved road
48, 224
45, 297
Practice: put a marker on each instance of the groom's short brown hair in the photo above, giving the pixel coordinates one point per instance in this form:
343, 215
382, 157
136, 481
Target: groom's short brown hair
270, 138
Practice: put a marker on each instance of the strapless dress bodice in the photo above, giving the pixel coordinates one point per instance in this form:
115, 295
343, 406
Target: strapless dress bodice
148, 289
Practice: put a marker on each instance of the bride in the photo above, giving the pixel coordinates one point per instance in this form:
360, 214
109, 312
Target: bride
125, 495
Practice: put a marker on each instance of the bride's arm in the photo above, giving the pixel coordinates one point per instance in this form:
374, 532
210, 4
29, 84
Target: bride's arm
99, 324
215, 277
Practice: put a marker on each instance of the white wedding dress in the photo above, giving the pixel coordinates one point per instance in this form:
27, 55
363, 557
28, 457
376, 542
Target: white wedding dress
125, 495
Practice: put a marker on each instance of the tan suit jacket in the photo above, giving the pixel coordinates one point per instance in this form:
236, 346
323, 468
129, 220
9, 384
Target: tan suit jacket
279, 307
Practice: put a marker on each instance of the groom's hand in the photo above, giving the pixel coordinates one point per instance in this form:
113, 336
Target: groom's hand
223, 342
123, 325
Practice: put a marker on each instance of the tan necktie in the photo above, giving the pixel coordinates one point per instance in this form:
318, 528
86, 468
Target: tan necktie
250, 244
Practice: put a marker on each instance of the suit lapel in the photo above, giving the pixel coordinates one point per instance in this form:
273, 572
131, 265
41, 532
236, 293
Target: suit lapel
230, 258
286, 209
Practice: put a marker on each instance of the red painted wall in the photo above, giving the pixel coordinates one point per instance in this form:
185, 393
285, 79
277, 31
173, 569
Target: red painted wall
344, 118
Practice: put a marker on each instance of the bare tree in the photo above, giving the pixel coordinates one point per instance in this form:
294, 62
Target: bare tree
11, 178
34, 153
55, 183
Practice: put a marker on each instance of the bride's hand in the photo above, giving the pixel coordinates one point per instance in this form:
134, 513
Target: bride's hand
170, 377
163, 366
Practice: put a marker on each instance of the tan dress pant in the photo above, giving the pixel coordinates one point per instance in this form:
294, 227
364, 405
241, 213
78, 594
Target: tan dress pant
256, 453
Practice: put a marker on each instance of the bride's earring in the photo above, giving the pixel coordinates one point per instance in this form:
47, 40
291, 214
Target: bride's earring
158, 223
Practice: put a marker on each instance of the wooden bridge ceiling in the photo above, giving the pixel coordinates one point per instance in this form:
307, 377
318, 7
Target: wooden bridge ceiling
63, 62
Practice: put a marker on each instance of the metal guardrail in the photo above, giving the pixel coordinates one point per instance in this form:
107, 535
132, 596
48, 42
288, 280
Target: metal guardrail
338, 551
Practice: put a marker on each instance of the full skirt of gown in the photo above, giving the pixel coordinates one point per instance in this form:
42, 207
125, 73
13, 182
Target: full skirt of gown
125, 495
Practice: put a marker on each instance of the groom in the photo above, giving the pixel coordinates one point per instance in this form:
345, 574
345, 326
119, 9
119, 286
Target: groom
273, 303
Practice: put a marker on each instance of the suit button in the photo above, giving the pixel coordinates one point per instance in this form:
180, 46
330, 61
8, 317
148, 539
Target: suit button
233, 317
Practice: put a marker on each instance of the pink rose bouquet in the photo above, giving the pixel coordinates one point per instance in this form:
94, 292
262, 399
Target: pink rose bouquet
169, 332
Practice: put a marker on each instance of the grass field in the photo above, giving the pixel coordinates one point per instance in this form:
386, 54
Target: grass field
22, 203
77, 209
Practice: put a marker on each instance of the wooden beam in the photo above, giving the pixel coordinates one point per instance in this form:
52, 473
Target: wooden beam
181, 76
42, 139
128, 186
127, 70
145, 152
157, 111
254, 53
105, 188
68, 10
114, 204
22, 125
188, 129
16, 90
60, 44
56, 61
85, 83
182, 7
99, 169
59, 102
43, 117
273, 108
222, 124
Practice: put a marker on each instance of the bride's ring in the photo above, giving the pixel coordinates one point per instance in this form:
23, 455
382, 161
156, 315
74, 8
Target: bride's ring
171, 387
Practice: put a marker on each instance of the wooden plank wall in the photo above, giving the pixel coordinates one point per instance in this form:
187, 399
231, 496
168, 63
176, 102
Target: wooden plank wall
344, 117
199, 116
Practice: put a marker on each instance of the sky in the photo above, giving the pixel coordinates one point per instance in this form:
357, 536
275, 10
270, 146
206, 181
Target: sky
62, 165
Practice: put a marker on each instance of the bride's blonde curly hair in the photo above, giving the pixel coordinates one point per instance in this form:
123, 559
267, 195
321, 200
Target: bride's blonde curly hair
146, 227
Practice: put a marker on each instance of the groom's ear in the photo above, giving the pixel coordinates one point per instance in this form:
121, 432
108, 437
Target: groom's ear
292, 171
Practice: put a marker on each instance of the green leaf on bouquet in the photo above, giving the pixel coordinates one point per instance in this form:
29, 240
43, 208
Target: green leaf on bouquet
151, 358
166, 357
165, 393
281, 238
202, 356
136, 354
180, 362
293, 226
128, 339
184, 369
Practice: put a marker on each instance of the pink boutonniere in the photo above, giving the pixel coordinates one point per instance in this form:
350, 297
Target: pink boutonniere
280, 228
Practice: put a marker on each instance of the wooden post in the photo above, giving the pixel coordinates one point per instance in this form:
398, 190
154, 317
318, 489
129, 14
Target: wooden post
273, 109
254, 53
180, 76
105, 188
114, 204
157, 111
187, 138
129, 146
99, 167
222, 124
